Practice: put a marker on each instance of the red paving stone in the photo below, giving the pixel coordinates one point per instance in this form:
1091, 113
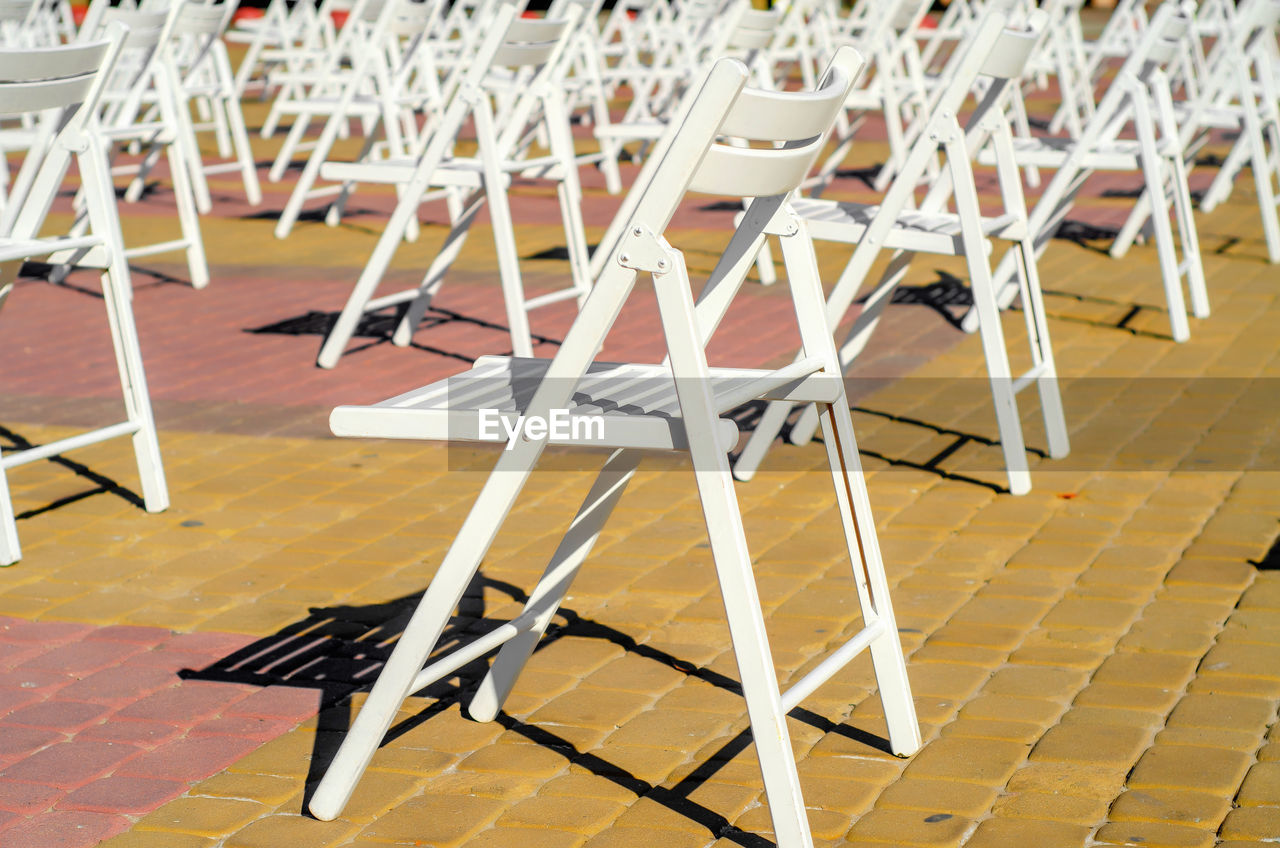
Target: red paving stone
97, 727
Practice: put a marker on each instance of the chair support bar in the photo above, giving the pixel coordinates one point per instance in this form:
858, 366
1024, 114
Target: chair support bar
477, 649
826, 669
793, 373
124, 428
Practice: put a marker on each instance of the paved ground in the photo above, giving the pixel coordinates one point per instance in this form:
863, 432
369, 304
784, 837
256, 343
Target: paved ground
1097, 662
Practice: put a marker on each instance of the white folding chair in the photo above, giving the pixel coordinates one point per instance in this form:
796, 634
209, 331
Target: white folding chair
380, 94
376, 75
895, 88
992, 58
140, 107
533, 49
675, 405
67, 82
206, 84
280, 28
1241, 95
1140, 97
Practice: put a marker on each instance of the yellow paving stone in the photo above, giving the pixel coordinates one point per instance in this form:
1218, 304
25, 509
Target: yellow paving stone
580, 785
1115, 745
1189, 767
1058, 555
262, 788
1078, 714
1232, 684
985, 761
1084, 780
522, 837
434, 819
1155, 834
1248, 660
1033, 681
583, 815
158, 839
1212, 572
1012, 708
379, 792
643, 837
668, 812
1209, 737
1012, 731
291, 829
988, 658
285, 756
1062, 656
823, 824
1167, 638
669, 729
1128, 697
533, 760
1040, 806
648, 764
968, 800
1010, 831
1177, 806
484, 784
978, 634
910, 827
1261, 786
204, 816
1261, 823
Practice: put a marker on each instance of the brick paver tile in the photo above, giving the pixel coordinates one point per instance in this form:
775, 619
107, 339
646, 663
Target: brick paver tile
27, 798
58, 715
1188, 767
1110, 745
999, 832
1161, 834
65, 829
910, 827
189, 758
443, 820
1176, 806
1261, 823
67, 765
1261, 787
120, 794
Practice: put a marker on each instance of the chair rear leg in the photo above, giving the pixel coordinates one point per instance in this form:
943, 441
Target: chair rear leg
188, 218
1055, 422
117, 291
887, 660
434, 277
547, 596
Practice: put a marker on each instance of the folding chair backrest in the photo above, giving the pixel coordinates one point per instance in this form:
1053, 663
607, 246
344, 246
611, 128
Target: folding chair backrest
49, 77
532, 42
200, 20
410, 18
38, 79
14, 11
756, 29
691, 156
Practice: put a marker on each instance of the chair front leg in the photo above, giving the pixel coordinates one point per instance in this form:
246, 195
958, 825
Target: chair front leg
547, 596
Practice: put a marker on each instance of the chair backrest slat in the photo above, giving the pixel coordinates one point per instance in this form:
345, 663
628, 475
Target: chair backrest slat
43, 94
50, 62
1012, 50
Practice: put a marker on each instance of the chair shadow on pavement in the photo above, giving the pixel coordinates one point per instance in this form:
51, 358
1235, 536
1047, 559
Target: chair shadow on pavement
339, 651
377, 328
101, 484
748, 416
